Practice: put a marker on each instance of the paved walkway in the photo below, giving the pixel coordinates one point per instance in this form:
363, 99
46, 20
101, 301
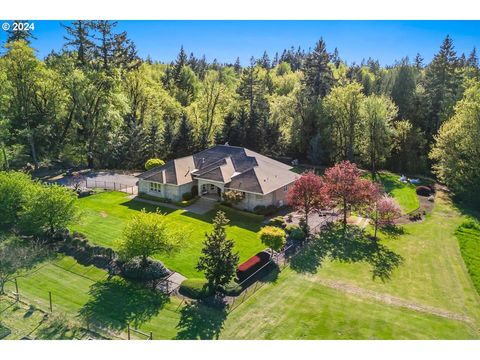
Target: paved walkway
201, 206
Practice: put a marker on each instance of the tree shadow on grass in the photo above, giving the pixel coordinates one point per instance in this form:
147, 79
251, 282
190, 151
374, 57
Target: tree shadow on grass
351, 245
201, 322
139, 205
237, 220
115, 303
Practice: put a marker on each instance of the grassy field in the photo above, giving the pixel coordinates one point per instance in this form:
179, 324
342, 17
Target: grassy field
428, 296
17, 321
298, 307
468, 235
82, 292
105, 214
404, 193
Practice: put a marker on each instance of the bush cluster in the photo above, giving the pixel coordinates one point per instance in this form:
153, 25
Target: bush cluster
265, 210
195, 288
134, 270
187, 196
423, 190
79, 248
295, 233
277, 221
152, 163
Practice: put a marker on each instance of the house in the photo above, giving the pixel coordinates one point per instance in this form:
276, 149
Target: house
261, 180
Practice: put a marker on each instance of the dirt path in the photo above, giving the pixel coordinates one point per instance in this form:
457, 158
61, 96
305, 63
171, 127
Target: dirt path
391, 300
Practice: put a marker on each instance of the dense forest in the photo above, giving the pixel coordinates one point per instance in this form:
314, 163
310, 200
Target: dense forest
97, 104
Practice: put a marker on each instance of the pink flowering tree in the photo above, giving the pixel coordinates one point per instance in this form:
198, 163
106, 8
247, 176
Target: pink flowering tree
347, 190
308, 194
384, 213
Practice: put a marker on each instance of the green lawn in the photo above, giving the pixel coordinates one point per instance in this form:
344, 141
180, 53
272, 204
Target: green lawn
432, 274
322, 299
404, 193
79, 290
16, 321
297, 307
468, 235
105, 214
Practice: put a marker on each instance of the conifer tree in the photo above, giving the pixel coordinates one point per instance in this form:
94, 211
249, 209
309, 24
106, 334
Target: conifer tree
79, 38
17, 34
218, 260
442, 86
318, 75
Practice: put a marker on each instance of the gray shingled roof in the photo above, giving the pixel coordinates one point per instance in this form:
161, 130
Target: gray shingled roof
238, 168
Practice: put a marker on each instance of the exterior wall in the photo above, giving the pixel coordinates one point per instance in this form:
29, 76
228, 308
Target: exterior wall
277, 198
169, 191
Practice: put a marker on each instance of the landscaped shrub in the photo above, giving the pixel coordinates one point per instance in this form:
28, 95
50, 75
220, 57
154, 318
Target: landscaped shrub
277, 221
185, 203
249, 267
152, 163
233, 196
259, 209
195, 288
133, 270
295, 233
424, 190
232, 289
187, 196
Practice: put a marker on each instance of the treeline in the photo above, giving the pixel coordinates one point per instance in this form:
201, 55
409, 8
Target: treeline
97, 104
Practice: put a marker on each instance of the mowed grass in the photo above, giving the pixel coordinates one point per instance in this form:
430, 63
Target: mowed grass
296, 307
78, 289
404, 193
16, 320
432, 274
104, 216
468, 235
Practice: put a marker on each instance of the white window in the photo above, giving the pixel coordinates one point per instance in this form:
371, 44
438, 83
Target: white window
212, 187
285, 188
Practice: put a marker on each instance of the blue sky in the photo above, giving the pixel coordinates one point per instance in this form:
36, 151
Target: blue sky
386, 41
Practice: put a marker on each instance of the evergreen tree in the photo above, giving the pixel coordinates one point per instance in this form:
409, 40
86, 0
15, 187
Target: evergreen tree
17, 34
318, 75
180, 62
472, 60
403, 90
264, 61
153, 141
218, 260
418, 61
105, 41
442, 86
237, 67
79, 38
183, 143
168, 137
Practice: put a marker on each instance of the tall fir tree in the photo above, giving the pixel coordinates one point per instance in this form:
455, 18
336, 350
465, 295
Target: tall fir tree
442, 86
18, 32
318, 78
218, 260
79, 39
